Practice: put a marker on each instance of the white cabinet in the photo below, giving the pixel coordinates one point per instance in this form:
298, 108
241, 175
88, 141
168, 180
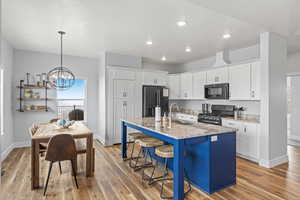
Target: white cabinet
199, 80
174, 86
255, 81
219, 75
155, 78
240, 82
124, 101
186, 83
244, 81
247, 144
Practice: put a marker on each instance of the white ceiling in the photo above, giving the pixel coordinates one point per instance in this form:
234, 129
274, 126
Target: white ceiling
123, 26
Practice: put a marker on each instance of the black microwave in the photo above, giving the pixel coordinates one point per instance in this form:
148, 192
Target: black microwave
217, 91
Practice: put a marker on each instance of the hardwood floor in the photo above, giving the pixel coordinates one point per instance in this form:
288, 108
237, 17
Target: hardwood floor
115, 180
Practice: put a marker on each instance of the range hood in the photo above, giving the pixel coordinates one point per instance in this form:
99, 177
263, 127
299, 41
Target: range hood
222, 59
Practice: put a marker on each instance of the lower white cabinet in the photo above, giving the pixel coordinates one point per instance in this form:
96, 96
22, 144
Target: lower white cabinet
247, 143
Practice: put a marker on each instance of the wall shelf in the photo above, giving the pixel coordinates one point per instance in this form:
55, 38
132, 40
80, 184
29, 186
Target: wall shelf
22, 87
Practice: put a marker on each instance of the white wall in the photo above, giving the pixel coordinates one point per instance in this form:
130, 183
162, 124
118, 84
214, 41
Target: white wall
38, 62
235, 56
7, 64
293, 63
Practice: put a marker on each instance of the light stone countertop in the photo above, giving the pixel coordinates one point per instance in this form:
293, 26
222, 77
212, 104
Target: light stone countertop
178, 130
244, 119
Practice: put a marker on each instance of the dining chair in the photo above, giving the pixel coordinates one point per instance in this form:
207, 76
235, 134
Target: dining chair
43, 146
61, 148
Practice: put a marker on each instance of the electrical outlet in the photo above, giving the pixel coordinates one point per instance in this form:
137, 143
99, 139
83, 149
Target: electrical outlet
214, 138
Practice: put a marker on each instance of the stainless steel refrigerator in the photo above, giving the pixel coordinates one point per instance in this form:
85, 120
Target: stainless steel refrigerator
153, 96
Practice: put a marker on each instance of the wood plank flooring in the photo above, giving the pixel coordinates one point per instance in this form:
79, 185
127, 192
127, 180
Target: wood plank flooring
114, 180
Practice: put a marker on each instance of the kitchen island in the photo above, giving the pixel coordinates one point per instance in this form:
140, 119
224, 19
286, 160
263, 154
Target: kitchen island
207, 152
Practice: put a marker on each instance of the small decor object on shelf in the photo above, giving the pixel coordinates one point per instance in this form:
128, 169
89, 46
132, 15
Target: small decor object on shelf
36, 95
61, 77
28, 93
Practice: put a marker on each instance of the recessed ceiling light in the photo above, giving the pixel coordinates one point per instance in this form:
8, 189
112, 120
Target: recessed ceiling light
149, 42
188, 49
226, 36
181, 23
164, 58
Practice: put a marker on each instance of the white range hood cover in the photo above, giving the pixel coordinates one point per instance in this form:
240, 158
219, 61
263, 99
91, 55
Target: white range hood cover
222, 59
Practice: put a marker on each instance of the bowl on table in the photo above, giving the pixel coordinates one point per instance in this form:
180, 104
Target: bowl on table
62, 123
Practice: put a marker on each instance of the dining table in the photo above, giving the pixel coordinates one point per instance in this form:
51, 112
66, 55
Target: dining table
43, 134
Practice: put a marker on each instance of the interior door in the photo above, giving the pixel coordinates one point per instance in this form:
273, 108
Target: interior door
124, 105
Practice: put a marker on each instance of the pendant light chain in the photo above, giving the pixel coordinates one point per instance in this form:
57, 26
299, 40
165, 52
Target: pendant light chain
61, 77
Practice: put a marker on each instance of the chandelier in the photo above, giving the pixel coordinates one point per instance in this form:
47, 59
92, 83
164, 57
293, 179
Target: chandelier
61, 77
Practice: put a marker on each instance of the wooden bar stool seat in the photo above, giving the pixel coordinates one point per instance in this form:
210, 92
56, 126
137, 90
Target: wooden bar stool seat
166, 152
134, 136
149, 142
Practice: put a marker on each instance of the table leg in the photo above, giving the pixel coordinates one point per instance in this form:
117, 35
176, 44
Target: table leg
178, 170
89, 146
35, 164
124, 140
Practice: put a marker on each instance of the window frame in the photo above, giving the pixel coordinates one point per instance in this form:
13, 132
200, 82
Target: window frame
85, 101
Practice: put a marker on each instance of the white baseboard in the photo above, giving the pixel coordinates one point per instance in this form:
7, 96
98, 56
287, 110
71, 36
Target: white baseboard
294, 143
5, 153
274, 162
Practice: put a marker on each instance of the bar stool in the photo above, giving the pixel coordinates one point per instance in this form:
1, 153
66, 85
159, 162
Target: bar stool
146, 143
166, 152
134, 136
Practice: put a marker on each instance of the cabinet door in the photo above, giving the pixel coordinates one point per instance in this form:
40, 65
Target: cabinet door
154, 78
255, 81
249, 140
239, 131
240, 82
217, 76
186, 83
124, 105
123, 88
174, 86
199, 80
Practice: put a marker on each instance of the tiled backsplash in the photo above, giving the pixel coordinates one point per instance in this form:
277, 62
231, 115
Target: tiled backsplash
251, 107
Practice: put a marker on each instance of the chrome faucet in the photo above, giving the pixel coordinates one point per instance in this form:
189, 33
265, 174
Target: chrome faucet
170, 113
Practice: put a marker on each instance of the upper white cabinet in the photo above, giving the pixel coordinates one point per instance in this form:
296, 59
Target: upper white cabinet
155, 78
244, 81
240, 82
186, 82
219, 75
174, 86
199, 80
255, 80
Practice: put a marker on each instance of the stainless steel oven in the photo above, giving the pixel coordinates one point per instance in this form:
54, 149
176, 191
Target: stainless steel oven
217, 91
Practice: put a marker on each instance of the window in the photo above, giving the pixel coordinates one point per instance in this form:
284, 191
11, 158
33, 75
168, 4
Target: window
1, 103
72, 100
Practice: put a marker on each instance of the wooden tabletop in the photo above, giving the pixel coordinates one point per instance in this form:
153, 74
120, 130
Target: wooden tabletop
46, 131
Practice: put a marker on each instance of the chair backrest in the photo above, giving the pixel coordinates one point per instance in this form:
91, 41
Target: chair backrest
61, 147
32, 129
76, 115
